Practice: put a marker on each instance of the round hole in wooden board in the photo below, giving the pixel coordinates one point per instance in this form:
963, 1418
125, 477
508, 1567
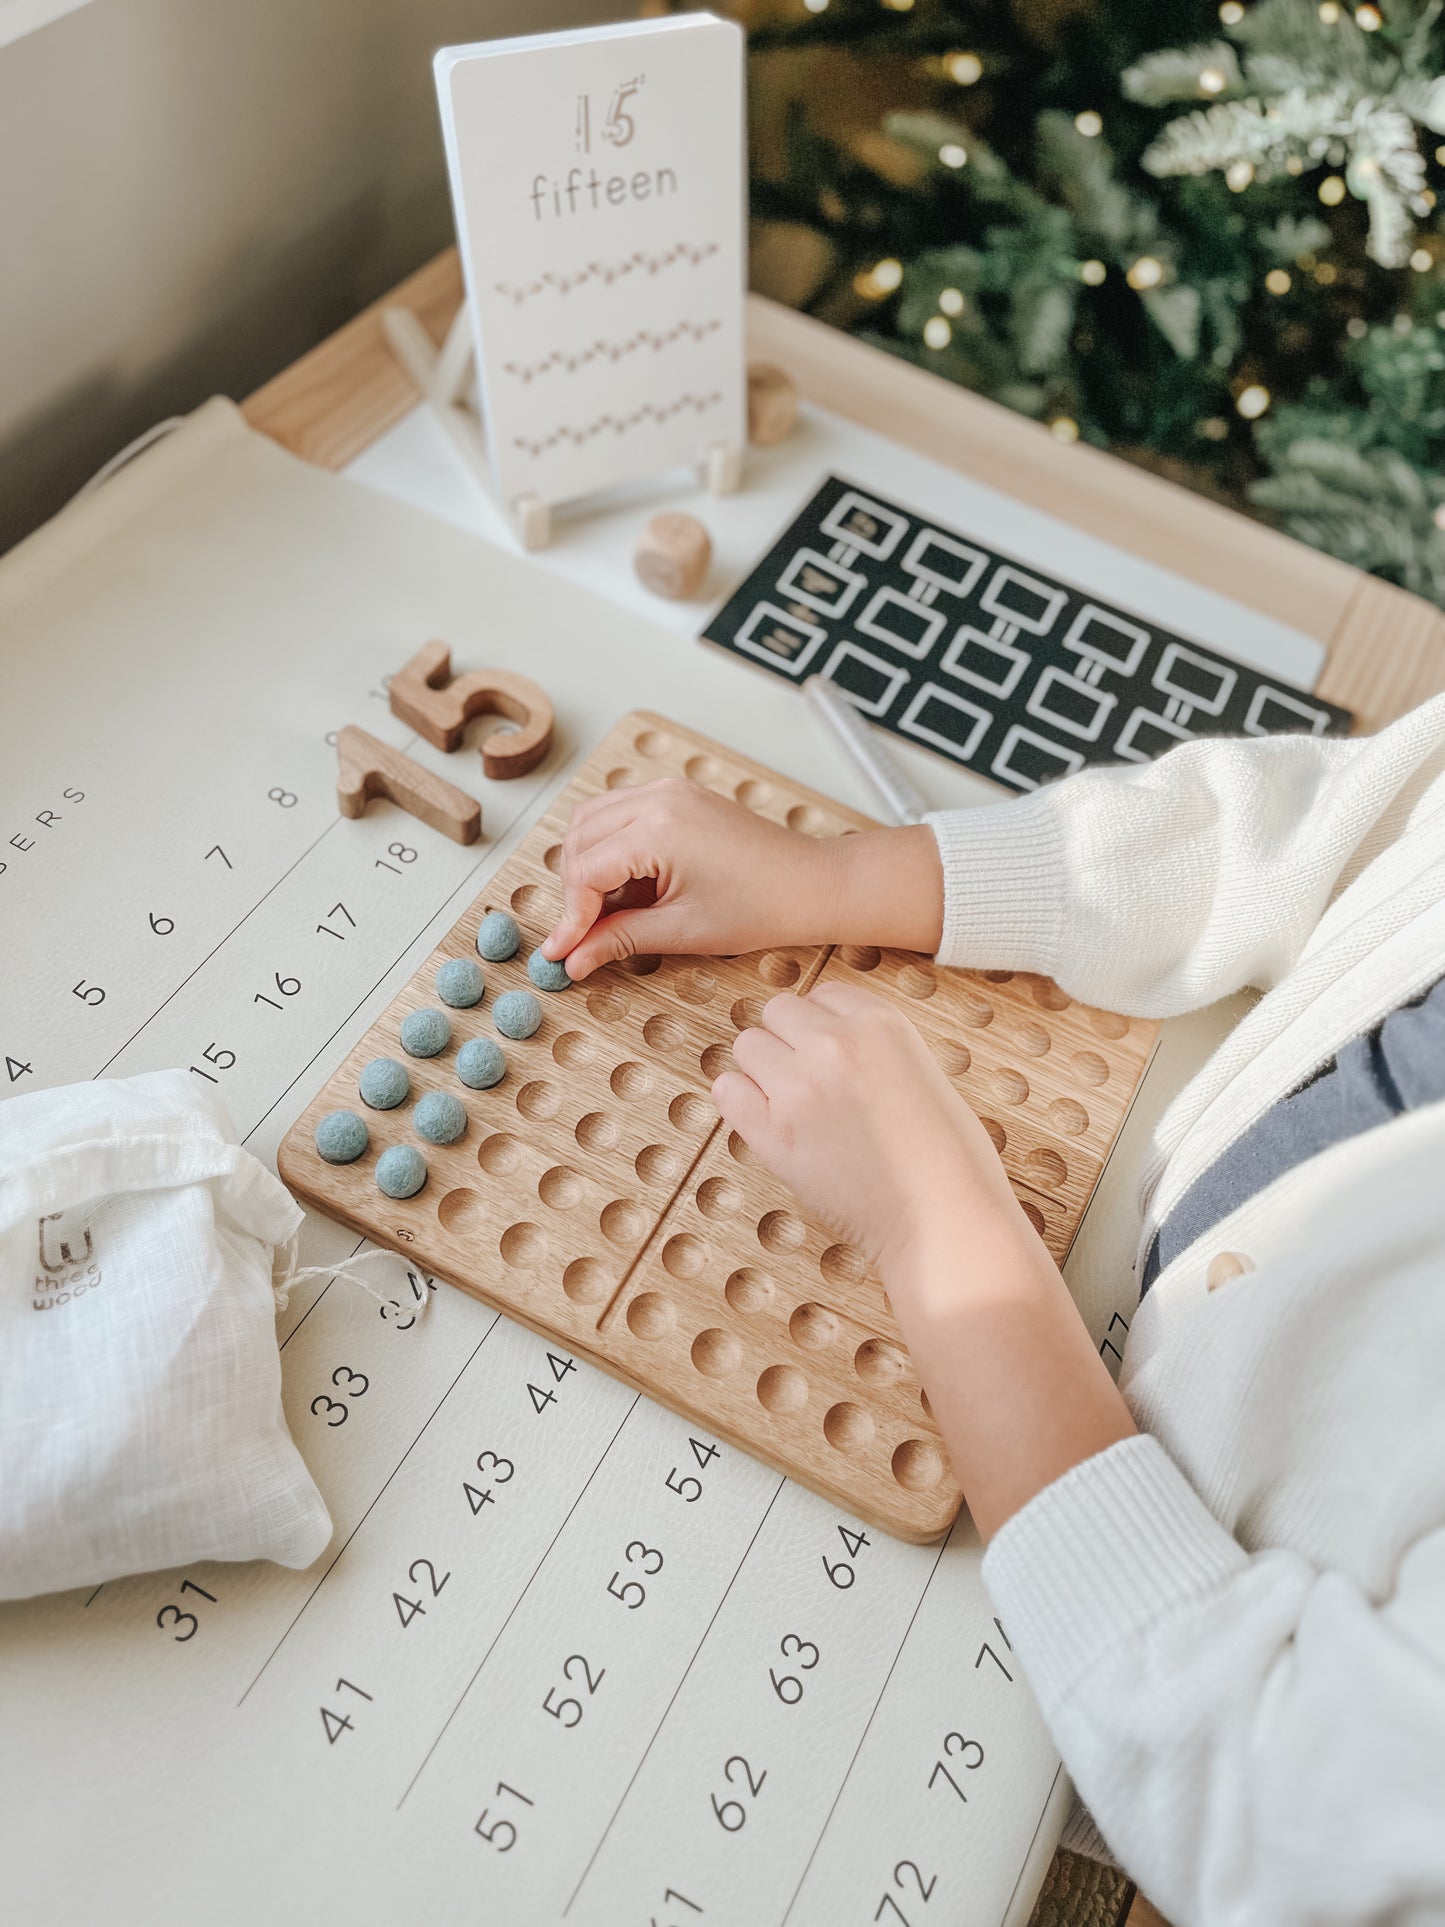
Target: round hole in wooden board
664, 1033
749, 1290
574, 1050
608, 1003
587, 1281
812, 1327
656, 745
695, 986
461, 1211
561, 1188
878, 1363
500, 1154
782, 1389
597, 1132
918, 1464
658, 1164
848, 1428
716, 1353
651, 1315
778, 970
1090, 1068
684, 1256
523, 1246
624, 1222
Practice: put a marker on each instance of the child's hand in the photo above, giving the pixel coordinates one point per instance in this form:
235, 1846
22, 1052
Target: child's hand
728, 881
838, 1095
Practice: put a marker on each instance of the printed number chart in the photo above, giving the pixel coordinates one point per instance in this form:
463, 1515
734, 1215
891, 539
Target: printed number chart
566, 1658
986, 659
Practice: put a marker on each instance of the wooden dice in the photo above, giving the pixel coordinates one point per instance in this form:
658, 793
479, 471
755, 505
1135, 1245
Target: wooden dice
672, 556
772, 403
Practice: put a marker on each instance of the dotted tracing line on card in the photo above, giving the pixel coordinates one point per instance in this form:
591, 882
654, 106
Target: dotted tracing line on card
606, 271
613, 351
576, 437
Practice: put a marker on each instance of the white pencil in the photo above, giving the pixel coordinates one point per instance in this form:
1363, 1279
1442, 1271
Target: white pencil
902, 803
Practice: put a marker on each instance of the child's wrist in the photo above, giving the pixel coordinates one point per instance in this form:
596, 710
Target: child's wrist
942, 1253
886, 888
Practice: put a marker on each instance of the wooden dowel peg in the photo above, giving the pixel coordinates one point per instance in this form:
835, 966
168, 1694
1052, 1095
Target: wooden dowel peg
772, 403
368, 768
438, 705
723, 468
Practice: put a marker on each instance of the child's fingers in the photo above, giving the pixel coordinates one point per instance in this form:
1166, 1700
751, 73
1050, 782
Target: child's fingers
764, 1056
845, 1000
788, 1017
588, 877
742, 1106
598, 818
650, 932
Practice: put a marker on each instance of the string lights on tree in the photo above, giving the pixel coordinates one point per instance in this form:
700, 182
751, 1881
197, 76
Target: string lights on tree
1202, 233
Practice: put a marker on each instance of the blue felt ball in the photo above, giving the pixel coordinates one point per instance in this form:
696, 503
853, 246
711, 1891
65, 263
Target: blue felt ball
516, 1013
545, 974
459, 983
384, 1084
499, 937
439, 1117
480, 1063
425, 1032
400, 1171
342, 1137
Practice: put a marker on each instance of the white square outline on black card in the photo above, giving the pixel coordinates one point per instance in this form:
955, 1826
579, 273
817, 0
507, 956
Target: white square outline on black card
1036, 625
880, 552
952, 661
1318, 718
1212, 705
851, 580
1091, 615
975, 561
868, 625
794, 667
1124, 741
1037, 705
930, 691
1073, 758
895, 671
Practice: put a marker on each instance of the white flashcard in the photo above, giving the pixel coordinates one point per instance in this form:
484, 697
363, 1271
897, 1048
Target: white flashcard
598, 184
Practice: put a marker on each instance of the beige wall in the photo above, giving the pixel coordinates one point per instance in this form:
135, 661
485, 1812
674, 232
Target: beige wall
194, 191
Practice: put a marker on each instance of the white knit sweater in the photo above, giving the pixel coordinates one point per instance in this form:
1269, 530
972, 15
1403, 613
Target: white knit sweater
1235, 1623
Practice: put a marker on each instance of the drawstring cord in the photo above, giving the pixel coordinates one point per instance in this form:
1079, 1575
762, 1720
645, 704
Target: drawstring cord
348, 1268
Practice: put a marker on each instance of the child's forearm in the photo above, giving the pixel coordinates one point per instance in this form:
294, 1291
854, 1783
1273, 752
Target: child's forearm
882, 887
1012, 1375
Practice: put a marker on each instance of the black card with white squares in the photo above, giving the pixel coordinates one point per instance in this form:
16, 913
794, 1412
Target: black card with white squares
992, 663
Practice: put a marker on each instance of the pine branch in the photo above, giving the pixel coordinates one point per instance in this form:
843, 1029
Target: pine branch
1266, 135
1184, 73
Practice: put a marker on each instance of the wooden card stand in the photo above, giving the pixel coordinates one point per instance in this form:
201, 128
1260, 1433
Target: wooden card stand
445, 381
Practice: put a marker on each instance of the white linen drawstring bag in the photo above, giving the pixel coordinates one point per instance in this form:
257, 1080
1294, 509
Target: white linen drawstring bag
140, 1382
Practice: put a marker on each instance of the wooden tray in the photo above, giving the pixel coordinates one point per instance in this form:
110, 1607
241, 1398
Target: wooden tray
596, 1197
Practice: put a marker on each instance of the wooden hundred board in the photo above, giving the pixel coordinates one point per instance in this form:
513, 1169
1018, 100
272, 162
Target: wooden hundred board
596, 1197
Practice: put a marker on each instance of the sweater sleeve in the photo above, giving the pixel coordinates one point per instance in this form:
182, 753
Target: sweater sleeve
1156, 888
1259, 1743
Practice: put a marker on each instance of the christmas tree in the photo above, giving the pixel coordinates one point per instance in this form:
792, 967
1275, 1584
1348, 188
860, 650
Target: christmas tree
1203, 237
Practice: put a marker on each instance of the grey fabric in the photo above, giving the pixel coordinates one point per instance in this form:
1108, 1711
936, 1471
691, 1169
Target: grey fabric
1396, 1067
